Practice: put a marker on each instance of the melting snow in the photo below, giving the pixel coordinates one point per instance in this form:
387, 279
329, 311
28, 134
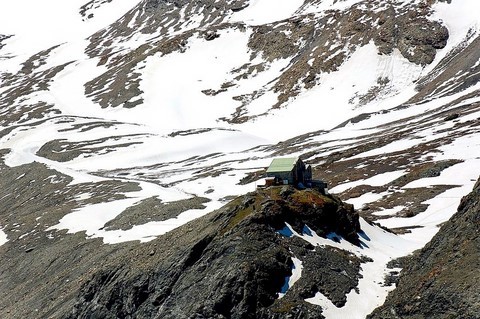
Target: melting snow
172, 86
379, 245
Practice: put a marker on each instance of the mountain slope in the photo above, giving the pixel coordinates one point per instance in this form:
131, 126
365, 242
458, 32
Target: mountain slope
441, 281
121, 121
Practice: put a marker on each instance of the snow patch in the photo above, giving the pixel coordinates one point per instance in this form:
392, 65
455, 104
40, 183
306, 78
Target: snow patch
3, 237
297, 268
395, 146
152, 230
367, 198
92, 218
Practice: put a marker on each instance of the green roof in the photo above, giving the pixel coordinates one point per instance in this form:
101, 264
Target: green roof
282, 164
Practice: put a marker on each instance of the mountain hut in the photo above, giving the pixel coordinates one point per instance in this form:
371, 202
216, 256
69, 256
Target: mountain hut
288, 171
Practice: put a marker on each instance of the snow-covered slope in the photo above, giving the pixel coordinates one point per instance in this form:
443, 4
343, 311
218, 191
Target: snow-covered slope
133, 101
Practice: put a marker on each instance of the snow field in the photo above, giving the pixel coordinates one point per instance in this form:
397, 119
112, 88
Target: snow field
328, 103
173, 83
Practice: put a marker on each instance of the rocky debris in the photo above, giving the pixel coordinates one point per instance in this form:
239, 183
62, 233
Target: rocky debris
442, 280
451, 117
3, 38
85, 10
153, 209
231, 263
211, 35
64, 150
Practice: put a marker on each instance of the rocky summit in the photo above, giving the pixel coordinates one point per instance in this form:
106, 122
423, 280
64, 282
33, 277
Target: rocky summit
134, 136
232, 263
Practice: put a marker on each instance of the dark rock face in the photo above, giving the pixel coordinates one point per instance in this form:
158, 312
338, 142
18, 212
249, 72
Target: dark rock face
416, 37
442, 280
231, 264
420, 40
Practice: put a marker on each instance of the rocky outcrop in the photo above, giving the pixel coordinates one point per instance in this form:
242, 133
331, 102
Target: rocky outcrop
232, 263
417, 38
442, 280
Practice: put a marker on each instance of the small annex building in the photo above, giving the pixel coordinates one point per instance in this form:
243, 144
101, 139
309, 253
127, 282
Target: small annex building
288, 171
